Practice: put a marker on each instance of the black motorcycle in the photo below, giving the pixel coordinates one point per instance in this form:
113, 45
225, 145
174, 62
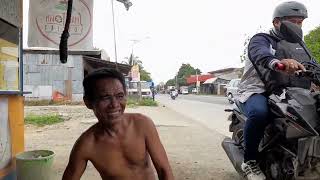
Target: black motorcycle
173, 95
290, 148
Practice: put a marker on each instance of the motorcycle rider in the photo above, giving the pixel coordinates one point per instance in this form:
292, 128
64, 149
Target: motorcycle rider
262, 77
173, 92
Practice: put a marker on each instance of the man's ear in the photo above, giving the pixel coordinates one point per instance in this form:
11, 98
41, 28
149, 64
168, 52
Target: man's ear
87, 102
276, 22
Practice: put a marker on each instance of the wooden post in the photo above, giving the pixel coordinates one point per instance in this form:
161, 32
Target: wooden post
139, 90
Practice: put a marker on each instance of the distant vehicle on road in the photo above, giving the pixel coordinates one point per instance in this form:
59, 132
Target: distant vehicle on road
194, 90
184, 90
173, 94
232, 89
145, 89
169, 88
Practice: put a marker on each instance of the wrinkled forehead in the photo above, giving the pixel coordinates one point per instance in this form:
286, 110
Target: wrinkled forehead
108, 85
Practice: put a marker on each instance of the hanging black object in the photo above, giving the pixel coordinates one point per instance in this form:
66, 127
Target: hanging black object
63, 46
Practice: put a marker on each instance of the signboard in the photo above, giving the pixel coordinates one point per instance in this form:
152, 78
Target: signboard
135, 74
47, 19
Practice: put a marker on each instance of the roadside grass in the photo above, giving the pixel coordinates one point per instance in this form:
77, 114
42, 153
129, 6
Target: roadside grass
50, 103
42, 120
148, 102
134, 102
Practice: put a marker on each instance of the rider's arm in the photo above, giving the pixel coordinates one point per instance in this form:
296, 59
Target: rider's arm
261, 51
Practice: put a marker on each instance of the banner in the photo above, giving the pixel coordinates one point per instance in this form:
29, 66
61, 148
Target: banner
135, 74
47, 19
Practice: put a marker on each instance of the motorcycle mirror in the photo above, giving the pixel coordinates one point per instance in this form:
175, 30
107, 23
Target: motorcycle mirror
291, 32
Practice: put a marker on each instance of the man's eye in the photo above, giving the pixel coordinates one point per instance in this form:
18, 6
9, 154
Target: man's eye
120, 96
106, 98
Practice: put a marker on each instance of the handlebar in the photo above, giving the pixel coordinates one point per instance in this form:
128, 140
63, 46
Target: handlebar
299, 73
312, 71
280, 66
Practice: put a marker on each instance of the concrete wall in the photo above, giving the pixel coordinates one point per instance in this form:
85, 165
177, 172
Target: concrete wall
10, 11
45, 76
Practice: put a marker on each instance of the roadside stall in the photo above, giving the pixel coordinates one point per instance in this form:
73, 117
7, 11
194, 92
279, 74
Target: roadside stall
11, 87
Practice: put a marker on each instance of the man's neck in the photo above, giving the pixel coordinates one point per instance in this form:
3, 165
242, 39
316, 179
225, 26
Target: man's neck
276, 33
113, 129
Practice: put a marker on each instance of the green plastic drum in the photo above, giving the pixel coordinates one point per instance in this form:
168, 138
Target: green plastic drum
34, 165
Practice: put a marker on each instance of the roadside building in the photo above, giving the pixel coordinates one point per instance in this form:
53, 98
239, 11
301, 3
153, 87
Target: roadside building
46, 78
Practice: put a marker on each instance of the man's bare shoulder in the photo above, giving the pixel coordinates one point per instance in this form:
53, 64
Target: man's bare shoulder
140, 120
86, 140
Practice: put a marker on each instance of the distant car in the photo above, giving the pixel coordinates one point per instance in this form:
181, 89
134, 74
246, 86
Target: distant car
232, 89
194, 90
184, 90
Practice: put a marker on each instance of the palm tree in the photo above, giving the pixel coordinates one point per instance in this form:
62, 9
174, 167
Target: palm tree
133, 60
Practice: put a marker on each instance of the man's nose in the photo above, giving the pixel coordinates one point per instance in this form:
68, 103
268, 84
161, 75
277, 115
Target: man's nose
114, 102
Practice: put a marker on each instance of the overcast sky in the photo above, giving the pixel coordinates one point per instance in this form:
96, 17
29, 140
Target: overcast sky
207, 34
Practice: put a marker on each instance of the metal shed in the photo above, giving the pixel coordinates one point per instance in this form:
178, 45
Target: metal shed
46, 78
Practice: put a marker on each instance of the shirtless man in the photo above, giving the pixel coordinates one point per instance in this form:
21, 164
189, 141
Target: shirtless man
120, 144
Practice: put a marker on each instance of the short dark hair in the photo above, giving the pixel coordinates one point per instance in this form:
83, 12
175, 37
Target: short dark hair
90, 80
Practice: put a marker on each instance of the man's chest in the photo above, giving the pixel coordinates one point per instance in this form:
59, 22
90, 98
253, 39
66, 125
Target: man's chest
114, 157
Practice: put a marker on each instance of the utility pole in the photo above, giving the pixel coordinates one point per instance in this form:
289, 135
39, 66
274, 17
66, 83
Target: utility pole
197, 83
114, 36
139, 90
177, 81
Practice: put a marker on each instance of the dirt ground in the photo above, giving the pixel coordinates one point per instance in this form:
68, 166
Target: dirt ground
193, 150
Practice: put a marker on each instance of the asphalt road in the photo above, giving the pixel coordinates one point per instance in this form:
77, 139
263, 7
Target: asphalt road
220, 100
207, 110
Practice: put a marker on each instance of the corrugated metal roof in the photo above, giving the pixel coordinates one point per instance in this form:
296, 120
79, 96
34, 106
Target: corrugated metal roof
90, 62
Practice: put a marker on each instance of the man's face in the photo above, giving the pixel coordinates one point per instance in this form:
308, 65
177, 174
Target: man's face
110, 100
296, 20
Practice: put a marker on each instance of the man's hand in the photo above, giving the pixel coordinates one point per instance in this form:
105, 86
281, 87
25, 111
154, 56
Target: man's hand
291, 66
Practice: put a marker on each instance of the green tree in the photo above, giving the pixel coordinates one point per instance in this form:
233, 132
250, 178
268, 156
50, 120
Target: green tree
248, 37
185, 71
145, 75
243, 56
312, 41
171, 82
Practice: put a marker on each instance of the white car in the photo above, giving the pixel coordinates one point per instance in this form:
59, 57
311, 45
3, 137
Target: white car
184, 90
194, 90
232, 89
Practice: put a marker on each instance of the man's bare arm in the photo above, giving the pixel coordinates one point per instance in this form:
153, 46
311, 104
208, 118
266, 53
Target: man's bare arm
77, 163
157, 151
